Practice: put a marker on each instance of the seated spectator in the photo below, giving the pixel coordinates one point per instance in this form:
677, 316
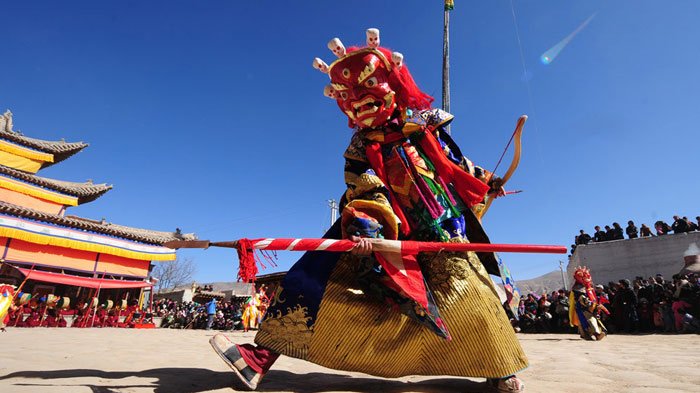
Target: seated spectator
645, 231
51, 318
691, 225
631, 230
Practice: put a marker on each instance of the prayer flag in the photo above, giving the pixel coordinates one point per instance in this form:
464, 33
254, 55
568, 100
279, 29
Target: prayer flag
512, 291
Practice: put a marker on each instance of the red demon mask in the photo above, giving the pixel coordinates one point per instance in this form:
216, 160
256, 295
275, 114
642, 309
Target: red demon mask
370, 84
583, 276
361, 82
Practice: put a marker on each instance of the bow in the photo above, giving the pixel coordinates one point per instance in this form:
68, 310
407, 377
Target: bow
517, 134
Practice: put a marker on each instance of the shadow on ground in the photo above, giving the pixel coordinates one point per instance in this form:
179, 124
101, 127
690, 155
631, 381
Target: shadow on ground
193, 380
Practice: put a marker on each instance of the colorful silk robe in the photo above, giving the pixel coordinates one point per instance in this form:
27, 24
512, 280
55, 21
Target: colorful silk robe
584, 316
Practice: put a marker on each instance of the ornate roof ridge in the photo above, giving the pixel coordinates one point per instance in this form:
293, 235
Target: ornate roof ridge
102, 227
60, 149
41, 144
86, 191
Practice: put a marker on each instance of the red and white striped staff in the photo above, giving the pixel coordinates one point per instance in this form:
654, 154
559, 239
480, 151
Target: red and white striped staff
380, 245
384, 245
248, 269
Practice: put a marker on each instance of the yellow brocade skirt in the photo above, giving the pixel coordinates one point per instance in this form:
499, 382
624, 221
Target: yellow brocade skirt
354, 332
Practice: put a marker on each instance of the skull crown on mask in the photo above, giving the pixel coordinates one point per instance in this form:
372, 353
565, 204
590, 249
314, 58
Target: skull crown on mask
370, 84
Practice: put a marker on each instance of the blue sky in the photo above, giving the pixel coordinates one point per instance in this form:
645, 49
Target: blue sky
208, 116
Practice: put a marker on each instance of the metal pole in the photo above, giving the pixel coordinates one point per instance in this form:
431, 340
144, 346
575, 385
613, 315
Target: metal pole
334, 210
563, 276
446, 65
150, 296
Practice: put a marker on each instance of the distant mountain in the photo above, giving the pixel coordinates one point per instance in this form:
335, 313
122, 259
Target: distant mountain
546, 283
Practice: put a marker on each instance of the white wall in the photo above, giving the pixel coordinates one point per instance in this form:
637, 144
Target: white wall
618, 259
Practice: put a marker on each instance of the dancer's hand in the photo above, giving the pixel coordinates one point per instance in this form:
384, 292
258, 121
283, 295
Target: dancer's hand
363, 246
497, 193
496, 188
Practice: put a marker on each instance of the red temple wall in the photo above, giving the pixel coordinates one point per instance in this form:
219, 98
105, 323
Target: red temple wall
121, 265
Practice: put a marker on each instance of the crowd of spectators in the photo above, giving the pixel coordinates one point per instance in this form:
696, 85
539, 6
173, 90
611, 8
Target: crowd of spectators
645, 305
176, 315
193, 315
40, 311
616, 232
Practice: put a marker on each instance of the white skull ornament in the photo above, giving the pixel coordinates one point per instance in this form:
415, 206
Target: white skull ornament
330, 92
320, 65
397, 59
373, 38
336, 46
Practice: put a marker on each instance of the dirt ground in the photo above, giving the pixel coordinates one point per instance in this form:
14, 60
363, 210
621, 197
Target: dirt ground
163, 360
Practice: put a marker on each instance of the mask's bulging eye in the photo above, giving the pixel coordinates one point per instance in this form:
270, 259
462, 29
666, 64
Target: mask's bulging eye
346, 73
371, 82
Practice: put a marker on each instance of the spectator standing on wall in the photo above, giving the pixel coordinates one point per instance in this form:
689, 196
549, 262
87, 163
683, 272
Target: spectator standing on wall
609, 233
631, 230
679, 225
661, 228
598, 235
617, 232
645, 231
583, 237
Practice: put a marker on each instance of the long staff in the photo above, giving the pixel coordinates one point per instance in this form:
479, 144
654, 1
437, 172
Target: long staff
87, 313
14, 295
43, 313
379, 245
119, 311
99, 286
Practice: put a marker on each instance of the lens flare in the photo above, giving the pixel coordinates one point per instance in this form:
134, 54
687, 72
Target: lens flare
552, 53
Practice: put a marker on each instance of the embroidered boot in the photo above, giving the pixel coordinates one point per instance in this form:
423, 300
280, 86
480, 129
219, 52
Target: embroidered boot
229, 353
510, 384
